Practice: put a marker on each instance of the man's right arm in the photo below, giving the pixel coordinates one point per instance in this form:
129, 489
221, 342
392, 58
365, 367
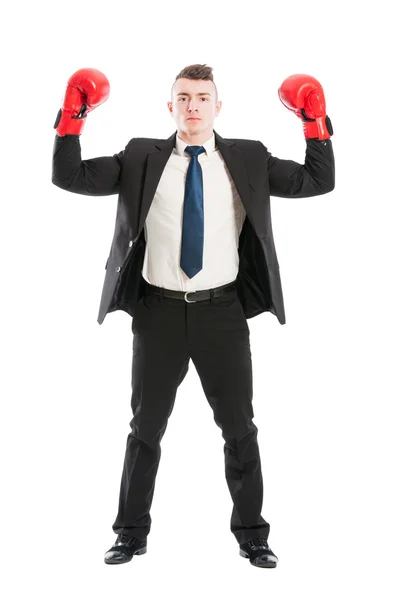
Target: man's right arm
93, 177
86, 89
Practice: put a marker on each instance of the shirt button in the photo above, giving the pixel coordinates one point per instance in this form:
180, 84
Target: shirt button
118, 269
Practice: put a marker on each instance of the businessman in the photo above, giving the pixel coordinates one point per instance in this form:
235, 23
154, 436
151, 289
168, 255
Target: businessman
192, 258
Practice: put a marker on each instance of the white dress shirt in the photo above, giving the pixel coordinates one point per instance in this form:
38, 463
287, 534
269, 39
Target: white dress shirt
223, 220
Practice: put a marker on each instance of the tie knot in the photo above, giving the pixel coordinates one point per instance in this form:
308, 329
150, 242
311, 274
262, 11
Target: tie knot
194, 150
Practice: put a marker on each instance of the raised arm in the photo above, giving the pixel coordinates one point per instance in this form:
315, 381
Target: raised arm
92, 177
304, 95
290, 179
86, 89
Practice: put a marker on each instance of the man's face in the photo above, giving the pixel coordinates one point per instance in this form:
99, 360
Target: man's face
194, 98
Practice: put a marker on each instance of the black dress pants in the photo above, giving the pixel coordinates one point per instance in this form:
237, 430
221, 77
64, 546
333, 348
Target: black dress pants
215, 335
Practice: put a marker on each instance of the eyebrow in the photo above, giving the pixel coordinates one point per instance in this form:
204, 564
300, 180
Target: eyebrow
200, 94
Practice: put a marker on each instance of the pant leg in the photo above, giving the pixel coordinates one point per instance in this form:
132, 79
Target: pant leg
160, 363
220, 350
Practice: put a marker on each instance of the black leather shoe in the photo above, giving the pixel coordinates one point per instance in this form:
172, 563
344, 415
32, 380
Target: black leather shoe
259, 553
124, 549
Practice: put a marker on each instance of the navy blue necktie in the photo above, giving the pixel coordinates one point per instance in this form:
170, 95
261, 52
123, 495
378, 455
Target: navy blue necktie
193, 219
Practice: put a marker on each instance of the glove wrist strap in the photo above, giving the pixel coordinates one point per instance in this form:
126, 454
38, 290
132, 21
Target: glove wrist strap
66, 123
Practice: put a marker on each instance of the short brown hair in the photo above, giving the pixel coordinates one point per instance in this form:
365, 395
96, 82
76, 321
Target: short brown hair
196, 72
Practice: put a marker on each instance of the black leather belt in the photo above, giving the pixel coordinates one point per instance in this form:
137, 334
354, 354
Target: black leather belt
196, 296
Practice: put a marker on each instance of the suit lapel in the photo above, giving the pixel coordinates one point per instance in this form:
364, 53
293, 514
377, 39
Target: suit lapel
156, 163
236, 167
157, 160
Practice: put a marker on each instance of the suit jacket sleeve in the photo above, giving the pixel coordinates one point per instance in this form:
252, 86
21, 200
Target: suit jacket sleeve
93, 177
289, 179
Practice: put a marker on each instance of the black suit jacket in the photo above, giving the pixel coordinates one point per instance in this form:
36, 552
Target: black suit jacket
134, 174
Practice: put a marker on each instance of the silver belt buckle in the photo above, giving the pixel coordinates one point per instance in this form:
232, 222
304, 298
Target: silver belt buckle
186, 299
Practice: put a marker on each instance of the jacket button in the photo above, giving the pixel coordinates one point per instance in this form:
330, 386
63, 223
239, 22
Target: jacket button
130, 243
118, 269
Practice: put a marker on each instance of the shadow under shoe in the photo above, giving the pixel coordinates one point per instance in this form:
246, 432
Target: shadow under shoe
259, 553
124, 549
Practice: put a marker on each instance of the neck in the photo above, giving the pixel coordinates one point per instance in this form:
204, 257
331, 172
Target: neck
195, 138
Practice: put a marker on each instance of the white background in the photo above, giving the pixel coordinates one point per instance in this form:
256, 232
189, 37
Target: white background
325, 386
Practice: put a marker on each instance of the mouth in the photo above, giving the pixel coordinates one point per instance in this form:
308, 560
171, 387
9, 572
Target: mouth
193, 119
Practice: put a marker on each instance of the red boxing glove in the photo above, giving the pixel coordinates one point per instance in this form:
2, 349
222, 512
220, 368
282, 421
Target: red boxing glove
303, 95
86, 89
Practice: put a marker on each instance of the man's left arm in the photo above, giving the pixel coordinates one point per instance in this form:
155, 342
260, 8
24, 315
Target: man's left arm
290, 179
303, 95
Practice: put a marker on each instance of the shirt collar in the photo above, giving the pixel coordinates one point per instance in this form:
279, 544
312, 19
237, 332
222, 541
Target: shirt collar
209, 145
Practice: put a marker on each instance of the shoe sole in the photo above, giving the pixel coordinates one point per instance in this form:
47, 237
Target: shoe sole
115, 561
265, 565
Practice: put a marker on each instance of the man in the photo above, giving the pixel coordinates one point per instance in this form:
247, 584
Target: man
192, 259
